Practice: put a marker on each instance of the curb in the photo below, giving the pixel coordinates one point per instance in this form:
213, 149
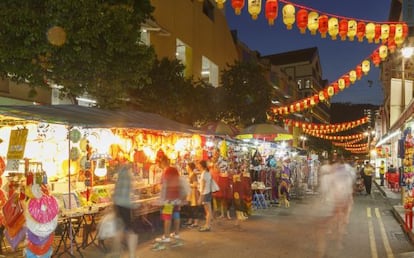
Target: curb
398, 216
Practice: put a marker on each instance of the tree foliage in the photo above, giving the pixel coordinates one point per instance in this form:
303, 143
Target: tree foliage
85, 46
247, 93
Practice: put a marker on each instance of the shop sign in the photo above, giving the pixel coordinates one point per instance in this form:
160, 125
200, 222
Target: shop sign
17, 144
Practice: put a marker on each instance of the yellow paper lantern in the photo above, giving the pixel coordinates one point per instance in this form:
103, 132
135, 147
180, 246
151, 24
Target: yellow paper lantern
321, 95
370, 32
352, 76
254, 7
383, 52
385, 32
333, 27
331, 91
398, 31
288, 12
365, 66
352, 29
313, 22
341, 84
220, 3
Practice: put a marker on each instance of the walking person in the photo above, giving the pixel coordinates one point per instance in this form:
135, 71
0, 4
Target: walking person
368, 171
171, 199
205, 193
123, 203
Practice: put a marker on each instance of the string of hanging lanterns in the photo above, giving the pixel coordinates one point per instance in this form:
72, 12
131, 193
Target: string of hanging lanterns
335, 137
306, 18
346, 80
347, 143
326, 128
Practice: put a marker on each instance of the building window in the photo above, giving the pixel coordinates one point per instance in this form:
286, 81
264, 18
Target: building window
208, 9
184, 53
209, 72
145, 37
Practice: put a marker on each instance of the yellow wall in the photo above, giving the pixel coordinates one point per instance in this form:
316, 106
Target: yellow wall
185, 20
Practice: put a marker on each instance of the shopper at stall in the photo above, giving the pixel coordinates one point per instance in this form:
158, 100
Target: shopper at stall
381, 170
193, 196
368, 171
205, 193
171, 199
123, 203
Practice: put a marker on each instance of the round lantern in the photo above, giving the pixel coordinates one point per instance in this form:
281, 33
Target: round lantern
365, 67
302, 20
360, 33
297, 106
352, 76
391, 35
383, 52
321, 95
341, 84
358, 70
347, 80
271, 10
376, 60
377, 33
370, 32
333, 27
343, 29
313, 22
391, 45
398, 31
288, 12
220, 3
335, 87
237, 6
323, 25
254, 7
330, 91
385, 32
352, 29
292, 108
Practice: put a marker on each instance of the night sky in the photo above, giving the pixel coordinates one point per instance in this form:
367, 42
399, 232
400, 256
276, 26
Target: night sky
337, 57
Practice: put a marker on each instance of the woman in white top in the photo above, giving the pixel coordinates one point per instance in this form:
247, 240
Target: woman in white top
205, 193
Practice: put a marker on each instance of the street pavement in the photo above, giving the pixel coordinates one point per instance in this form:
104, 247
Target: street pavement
376, 230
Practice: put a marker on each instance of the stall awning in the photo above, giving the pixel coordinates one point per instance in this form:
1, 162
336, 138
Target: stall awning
90, 117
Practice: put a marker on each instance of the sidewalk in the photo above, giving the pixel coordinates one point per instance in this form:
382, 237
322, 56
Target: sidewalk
397, 208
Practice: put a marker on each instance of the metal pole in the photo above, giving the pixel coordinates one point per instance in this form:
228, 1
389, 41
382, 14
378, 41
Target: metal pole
402, 85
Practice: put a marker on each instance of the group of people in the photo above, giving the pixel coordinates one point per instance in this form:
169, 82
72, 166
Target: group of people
176, 191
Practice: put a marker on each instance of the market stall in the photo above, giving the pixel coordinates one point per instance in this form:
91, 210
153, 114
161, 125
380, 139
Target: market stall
73, 152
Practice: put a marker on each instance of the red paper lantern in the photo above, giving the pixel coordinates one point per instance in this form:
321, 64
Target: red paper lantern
271, 9
375, 57
360, 31
391, 34
347, 80
343, 29
237, 6
302, 20
391, 45
323, 25
358, 70
377, 33
336, 87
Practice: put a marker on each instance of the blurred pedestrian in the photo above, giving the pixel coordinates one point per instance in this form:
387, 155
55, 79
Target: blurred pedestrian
171, 199
205, 193
123, 203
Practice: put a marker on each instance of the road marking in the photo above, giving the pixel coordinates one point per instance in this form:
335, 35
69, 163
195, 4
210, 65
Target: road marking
372, 244
384, 235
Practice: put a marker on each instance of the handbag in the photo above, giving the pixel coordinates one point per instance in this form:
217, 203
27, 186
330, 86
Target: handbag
13, 208
109, 226
214, 186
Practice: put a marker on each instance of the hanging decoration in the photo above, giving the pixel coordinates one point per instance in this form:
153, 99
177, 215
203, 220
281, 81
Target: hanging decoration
237, 6
334, 137
335, 87
326, 128
315, 20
